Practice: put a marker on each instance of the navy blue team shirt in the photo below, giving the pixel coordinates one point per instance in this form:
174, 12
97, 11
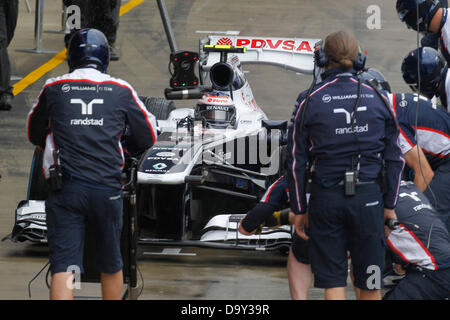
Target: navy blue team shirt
422, 238
83, 115
425, 124
328, 143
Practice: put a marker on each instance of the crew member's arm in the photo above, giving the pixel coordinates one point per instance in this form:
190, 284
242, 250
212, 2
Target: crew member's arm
407, 247
394, 164
440, 27
436, 22
414, 156
38, 120
264, 214
423, 174
142, 124
255, 218
297, 158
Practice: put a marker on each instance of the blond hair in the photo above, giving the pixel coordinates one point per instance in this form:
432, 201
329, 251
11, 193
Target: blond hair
341, 49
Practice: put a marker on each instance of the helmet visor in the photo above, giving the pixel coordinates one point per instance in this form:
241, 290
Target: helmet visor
217, 115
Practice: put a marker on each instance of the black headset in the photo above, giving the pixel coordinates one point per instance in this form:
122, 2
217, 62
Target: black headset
321, 60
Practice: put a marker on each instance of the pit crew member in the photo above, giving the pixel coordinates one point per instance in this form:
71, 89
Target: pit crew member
433, 39
433, 16
346, 138
421, 243
432, 124
429, 75
102, 15
271, 211
425, 142
8, 20
79, 119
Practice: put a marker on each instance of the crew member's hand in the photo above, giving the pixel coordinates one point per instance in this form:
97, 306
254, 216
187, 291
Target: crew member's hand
300, 222
388, 214
242, 230
291, 217
387, 231
246, 233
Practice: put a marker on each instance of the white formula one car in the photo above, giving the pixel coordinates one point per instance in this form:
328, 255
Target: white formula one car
200, 178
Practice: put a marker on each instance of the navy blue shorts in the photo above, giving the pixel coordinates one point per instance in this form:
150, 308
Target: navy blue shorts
425, 285
68, 211
300, 249
338, 224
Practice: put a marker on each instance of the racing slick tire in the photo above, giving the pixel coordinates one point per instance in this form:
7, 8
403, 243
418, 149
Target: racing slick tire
159, 107
37, 186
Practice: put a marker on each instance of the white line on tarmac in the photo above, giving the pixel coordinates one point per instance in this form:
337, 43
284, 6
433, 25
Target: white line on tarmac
229, 32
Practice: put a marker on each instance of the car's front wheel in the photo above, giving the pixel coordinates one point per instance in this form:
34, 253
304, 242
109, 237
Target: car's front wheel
159, 107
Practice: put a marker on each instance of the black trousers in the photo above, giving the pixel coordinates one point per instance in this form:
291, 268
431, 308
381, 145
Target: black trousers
422, 285
98, 14
8, 19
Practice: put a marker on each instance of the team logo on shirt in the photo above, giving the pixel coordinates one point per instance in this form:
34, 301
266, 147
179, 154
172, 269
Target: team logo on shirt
86, 109
65, 88
348, 120
348, 115
414, 196
326, 98
358, 129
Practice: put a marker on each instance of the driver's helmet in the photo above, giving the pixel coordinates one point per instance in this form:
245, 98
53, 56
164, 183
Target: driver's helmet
217, 110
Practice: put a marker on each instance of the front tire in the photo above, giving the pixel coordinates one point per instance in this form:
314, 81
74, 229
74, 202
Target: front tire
159, 107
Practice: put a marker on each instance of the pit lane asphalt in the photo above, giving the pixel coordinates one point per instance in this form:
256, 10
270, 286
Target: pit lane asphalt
211, 274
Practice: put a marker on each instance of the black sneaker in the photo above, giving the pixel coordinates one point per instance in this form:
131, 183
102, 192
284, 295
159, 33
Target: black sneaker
6, 101
114, 54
